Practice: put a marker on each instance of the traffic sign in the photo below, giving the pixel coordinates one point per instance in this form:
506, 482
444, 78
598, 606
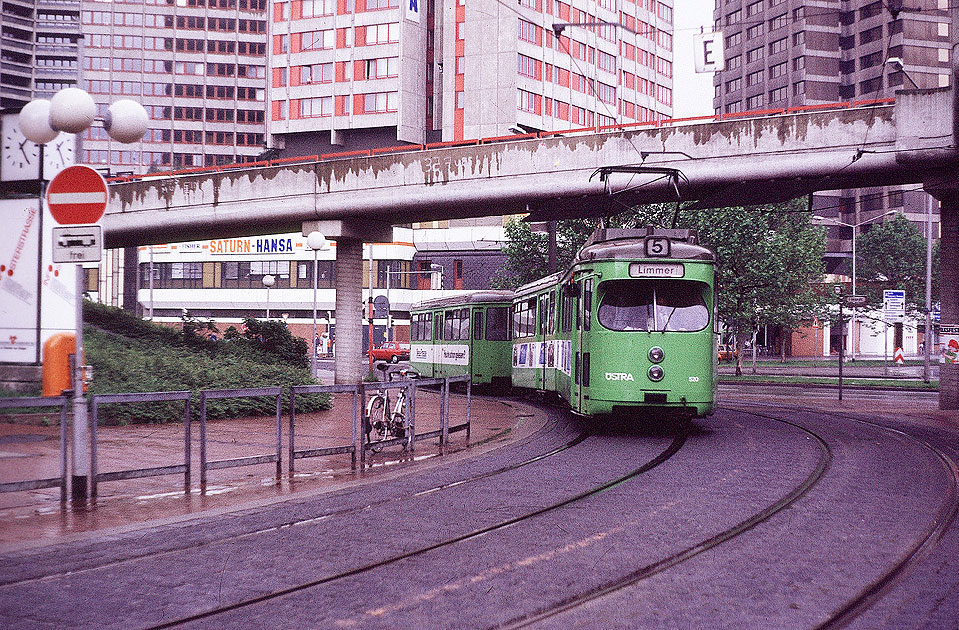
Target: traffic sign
855, 300
76, 244
77, 195
894, 305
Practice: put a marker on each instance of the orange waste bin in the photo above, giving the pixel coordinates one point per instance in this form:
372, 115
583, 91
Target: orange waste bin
56, 363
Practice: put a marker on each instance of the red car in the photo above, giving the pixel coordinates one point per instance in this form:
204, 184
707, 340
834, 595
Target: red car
392, 351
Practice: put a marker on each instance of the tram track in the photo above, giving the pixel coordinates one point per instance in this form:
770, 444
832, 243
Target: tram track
673, 448
654, 568
575, 440
945, 517
845, 613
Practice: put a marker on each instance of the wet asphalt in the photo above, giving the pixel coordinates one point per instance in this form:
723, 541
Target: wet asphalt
774, 513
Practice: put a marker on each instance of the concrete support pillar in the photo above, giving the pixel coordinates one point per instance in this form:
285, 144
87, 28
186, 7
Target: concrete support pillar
949, 290
349, 304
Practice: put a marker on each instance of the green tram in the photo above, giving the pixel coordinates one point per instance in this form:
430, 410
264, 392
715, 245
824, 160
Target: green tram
464, 334
630, 325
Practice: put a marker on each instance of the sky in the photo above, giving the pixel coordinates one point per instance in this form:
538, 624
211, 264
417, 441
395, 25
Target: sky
692, 93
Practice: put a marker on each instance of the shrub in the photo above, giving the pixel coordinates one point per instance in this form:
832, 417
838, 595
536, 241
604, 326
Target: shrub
132, 355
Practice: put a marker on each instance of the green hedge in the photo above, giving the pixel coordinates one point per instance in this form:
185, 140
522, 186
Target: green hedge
132, 355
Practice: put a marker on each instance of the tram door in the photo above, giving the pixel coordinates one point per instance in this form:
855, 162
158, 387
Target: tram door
582, 330
579, 347
541, 332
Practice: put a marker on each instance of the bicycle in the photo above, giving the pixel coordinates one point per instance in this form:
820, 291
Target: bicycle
385, 422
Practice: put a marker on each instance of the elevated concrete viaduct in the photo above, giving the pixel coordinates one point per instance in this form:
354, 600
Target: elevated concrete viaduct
745, 160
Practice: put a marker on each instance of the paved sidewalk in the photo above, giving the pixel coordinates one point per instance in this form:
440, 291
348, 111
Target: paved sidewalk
29, 451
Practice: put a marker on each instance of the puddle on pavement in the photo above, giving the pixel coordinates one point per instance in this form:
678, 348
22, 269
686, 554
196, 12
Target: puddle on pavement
43, 518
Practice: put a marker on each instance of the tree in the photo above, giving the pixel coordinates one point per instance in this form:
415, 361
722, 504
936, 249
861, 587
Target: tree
892, 255
769, 257
770, 262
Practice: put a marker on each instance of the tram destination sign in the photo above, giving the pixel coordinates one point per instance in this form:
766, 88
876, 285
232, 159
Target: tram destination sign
656, 270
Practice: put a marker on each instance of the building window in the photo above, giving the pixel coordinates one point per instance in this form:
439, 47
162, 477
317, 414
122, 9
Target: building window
754, 31
734, 85
778, 70
754, 55
777, 46
799, 38
734, 40
754, 8
754, 77
734, 62
799, 88
779, 94
526, 66
526, 101
316, 107
316, 73
379, 102
754, 102
778, 22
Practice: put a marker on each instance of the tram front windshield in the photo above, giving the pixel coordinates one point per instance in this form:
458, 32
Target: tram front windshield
653, 305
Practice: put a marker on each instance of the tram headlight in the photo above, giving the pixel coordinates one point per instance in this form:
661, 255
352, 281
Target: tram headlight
656, 354
656, 373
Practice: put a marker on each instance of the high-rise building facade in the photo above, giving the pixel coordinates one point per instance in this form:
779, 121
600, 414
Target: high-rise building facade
197, 66
40, 46
363, 73
785, 53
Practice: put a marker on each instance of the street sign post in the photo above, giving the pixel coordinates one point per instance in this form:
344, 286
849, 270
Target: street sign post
894, 305
77, 195
855, 300
77, 244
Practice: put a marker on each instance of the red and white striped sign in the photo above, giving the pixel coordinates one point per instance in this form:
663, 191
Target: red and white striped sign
77, 195
899, 357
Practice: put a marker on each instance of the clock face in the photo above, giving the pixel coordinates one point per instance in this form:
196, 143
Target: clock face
21, 158
57, 155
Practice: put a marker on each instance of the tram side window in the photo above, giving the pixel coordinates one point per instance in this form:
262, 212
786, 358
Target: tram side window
543, 314
422, 327
643, 305
478, 325
587, 303
457, 326
551, 317
524, 318
497, 323
567, 312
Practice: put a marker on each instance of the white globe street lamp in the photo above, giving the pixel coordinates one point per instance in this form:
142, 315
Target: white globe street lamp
72, 110
268, 281
316, 242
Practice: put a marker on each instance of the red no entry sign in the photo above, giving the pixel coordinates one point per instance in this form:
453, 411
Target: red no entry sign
78, 194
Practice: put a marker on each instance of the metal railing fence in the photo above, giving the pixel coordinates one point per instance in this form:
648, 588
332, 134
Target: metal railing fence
359, 442
63, 402
210, 394
334, 450
135, 473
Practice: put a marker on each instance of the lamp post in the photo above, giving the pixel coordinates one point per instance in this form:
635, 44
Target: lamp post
897, 62
316, 242
434, 268
268, 281
72, 110
854, 226
927, 338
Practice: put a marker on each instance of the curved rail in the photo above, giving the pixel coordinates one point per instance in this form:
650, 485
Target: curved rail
659, 566
673, 448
